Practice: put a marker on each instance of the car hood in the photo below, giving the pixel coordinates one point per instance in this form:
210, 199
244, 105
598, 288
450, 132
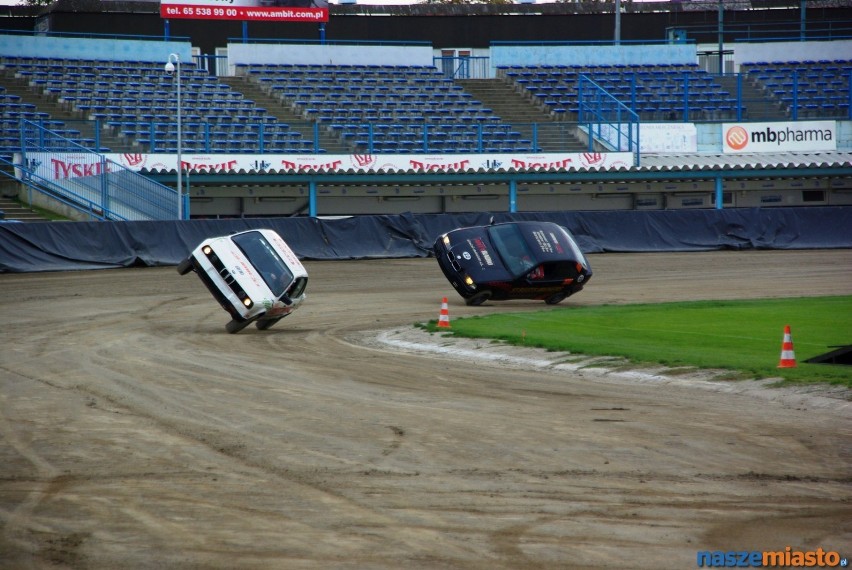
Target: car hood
473, 251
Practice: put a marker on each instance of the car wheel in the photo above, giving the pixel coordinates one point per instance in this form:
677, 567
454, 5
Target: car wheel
263, 324
236, 326
185, 266
555, 299
478, 298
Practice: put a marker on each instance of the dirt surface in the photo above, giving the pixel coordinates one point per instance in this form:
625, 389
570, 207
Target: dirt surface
136, 433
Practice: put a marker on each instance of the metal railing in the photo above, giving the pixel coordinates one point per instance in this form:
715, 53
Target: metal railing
708, 98
385, 137
463, 67
607, 119
65, 170
687, 99
27, 174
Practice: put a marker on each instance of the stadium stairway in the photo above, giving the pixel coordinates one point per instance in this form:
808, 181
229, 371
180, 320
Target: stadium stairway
519, 111
11, 209
20, 86
254, 92
758, 106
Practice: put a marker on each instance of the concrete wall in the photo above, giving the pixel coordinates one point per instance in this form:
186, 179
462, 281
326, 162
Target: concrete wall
93, 48
319, 54
625, 54
790, 51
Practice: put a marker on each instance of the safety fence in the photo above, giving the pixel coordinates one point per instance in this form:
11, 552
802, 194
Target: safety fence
607, 119
87, 181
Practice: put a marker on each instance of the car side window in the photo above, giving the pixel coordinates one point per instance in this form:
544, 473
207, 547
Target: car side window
553, 272
512, 249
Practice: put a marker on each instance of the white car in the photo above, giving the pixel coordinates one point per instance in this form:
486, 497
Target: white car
254, 275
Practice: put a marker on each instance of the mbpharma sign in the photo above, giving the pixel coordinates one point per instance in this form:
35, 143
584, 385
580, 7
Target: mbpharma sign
775, 137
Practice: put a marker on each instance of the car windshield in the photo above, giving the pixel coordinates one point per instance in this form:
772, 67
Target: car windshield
512, 248
265, 260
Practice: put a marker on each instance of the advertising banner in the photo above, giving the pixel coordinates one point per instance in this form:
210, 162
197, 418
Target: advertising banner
668, 138
260, 10
805, 136
58, 166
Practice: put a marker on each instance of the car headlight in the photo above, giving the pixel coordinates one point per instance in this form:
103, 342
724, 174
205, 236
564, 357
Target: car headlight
446, 239
468, 280
207, 250
244, 297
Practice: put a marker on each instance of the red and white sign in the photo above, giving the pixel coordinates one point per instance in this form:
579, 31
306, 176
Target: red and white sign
261, 10
806, 136
57, 166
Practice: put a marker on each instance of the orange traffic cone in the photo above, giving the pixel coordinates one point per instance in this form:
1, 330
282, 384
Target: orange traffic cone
788, 357
444, 319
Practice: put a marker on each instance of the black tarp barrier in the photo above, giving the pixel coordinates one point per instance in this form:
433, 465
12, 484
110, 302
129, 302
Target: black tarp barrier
56, 246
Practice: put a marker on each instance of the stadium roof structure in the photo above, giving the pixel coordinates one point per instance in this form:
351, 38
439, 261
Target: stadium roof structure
426, 8
750, 161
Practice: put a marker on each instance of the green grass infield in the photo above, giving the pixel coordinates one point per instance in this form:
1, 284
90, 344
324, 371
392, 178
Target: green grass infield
743, 337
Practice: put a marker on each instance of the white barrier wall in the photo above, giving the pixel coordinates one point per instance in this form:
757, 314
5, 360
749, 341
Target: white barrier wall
625, 54
106, 49
791, 51
324, 54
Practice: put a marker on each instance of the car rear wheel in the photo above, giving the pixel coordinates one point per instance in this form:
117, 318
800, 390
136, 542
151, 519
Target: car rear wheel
236, 326
478, 298
555, 299
185, 266
263, 324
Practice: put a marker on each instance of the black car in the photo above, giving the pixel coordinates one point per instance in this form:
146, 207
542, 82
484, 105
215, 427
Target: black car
513, 260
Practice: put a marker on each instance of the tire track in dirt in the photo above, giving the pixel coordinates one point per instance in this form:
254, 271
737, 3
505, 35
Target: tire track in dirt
174, 444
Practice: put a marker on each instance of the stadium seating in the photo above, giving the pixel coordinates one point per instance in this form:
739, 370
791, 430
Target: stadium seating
387, 109
382, 108
13, 110
138, 101
804, 89
655, 92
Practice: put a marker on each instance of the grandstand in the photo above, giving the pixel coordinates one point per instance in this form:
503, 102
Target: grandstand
283, 109
806, 89
135, 101
388, 109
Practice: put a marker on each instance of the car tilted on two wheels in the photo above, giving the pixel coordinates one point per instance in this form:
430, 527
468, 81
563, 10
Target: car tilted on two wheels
512, 260
254, 275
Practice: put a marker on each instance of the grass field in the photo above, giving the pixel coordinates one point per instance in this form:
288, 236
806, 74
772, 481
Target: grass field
743, 337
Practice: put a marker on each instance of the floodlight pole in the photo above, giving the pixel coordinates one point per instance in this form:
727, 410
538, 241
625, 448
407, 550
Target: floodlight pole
617, 38
173, 65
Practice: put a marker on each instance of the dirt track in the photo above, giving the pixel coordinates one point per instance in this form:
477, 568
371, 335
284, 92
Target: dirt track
136, 433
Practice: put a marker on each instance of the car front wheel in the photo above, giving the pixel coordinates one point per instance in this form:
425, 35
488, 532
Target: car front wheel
263, 324
478, 298
236, 326
555, 299
185, 266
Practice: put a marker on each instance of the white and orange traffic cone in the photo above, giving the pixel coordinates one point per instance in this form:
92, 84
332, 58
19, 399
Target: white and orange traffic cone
444, 319
788, 357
